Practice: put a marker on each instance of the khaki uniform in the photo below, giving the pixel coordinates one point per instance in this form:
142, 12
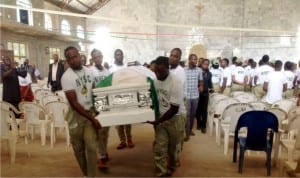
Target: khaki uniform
216, 88
288, 94
227, 91
259, 92
181, 128
167, 136
103, 140
84, 142
237, 87
122, 129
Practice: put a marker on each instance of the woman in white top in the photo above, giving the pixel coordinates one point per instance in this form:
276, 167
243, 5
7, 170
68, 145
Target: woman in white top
216, 75
25, 87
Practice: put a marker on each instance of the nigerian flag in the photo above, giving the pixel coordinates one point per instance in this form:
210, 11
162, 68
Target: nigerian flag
133, 75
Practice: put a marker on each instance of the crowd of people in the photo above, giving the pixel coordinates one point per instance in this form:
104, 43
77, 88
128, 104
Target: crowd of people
182, 92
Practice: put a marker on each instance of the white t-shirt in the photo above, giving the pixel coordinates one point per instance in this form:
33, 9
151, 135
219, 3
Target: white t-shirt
115, 67
216, 75
180, 74
262, 73
252, 73
276, 80
290, 76
168, 92
25, 81
239, 73
226, 74
297, 73
232, 67
81, 81
99, 75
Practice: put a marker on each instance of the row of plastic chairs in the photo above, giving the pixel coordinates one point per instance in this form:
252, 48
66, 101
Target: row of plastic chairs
51, 116
285, 110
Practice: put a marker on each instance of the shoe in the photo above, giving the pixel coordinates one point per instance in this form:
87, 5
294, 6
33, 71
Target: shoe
122, 145
130, 144
203, 130
102, 165
192, 133
187, 138
104, 158
178, 164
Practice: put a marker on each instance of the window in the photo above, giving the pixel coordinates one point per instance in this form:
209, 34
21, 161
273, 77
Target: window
53, 51
19, 50
65, 27
24, 16
80, 32
48, 22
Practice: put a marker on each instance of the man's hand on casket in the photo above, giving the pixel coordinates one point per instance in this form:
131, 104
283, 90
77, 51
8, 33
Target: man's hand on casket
96, 124
153, 122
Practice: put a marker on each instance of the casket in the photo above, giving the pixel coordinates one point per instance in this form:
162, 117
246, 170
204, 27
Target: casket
124, 97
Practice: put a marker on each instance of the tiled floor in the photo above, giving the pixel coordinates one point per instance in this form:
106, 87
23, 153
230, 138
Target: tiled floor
201, 157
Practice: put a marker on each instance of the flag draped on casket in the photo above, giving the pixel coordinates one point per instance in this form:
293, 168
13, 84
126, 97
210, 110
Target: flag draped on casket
132, 75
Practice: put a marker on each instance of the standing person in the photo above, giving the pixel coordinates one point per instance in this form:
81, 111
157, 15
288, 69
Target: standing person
124, 131
193, 82
261, 74
11, 88
239, 77
55, 73
275, 84
216, 75
225, 83
167, 133
178, 71
77, 83
100, 72
290, 78
30, 69
204, 96
252, 75
297, 80
25, 87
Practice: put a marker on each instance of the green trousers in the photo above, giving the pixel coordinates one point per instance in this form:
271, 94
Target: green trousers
84, 142
103, 140
236, 87
259, 92
167, 138
124, 131
288, 94
216, 88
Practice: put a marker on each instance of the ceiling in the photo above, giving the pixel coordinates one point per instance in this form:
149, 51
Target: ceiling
79, 6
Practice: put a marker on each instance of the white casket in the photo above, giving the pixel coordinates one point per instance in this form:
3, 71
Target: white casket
126, 101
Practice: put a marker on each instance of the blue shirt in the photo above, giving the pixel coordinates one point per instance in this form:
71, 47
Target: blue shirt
193, 76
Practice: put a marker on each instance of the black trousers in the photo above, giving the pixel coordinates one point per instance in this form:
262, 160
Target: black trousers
55, 86
201, 113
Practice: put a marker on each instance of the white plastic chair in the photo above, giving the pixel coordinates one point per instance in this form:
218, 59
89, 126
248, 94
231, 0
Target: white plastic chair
50, 98
291, 144
285, 104
40, 93
35, 115
230, 118
246, 97
62, 95
293, 112
57, 111
9, 129
35, 87
236, 93
259, 105
216, 114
